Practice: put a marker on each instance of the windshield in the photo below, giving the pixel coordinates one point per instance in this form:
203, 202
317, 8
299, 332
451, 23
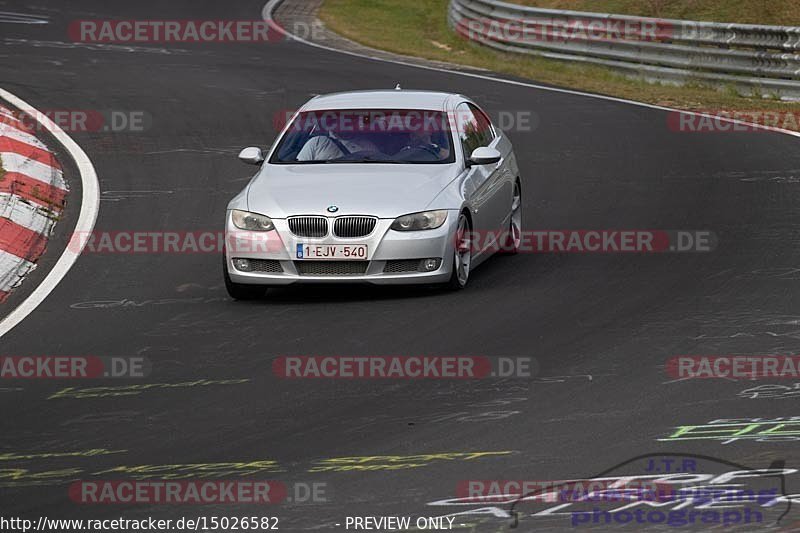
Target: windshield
367, 136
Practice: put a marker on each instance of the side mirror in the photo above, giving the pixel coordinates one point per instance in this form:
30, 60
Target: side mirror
252, 155
484, 156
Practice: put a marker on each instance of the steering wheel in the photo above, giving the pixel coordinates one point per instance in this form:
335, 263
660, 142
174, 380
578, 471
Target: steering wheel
432, 149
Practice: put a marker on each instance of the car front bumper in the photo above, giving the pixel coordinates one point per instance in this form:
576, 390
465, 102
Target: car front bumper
386, 248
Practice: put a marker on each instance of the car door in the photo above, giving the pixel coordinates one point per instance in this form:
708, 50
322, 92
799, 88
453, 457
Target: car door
483, 183
501, 180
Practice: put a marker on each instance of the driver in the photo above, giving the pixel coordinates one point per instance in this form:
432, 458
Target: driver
422, 140
334, 146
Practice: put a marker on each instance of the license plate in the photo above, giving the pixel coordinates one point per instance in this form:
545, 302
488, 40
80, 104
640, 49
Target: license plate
356, 252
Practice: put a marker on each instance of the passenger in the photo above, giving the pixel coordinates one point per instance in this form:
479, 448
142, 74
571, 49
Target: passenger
331, 147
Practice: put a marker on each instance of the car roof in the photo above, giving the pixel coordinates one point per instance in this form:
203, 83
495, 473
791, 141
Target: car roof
382, 99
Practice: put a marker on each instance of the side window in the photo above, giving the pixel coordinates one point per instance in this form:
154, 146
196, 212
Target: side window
474, 129
484, 124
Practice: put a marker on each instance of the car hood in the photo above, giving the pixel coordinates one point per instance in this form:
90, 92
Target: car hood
385, 191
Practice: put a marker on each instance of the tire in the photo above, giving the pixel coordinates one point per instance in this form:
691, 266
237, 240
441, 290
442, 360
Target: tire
240, 291
462, 255
513, 238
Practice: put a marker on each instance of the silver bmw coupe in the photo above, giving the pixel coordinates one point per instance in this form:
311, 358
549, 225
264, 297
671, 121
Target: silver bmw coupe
382, 187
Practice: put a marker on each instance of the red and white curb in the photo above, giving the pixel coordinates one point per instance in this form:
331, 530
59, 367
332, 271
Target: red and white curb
89, 208
32, 196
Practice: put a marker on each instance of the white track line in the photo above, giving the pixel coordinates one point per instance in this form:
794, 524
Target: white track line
90, 205
271, 5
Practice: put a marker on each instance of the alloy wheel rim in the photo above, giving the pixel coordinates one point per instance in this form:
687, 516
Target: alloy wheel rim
516, 218
463, 252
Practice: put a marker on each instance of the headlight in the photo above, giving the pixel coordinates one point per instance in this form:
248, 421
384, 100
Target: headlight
251, 221
420, 221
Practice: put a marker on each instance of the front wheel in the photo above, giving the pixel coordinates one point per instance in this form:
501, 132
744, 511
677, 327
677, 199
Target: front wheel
462, 254
240, 291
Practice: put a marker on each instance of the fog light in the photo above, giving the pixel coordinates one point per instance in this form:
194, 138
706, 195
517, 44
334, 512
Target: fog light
429, 265
242, 265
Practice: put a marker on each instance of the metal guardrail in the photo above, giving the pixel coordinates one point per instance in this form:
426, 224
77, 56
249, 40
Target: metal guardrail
754, 59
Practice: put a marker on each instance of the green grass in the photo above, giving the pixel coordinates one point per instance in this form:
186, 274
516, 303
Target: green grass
777, 12
2, 170
419, 28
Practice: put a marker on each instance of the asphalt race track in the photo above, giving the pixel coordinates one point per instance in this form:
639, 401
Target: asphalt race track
600, 326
